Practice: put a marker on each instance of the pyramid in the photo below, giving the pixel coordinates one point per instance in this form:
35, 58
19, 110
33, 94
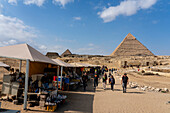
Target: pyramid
67, 52
130, 46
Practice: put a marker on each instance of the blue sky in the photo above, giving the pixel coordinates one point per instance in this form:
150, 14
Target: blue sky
85, 26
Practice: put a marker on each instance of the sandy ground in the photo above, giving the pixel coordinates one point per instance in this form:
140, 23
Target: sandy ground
154, 81
107, 101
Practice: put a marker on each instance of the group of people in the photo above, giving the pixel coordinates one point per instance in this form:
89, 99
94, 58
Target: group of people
111, 79
124, 81
17, 76
85, 79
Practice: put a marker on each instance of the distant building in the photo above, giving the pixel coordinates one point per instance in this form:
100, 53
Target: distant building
52, 55
130, 46
66, 53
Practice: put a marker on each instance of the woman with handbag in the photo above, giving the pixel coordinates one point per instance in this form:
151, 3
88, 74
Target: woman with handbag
112, 82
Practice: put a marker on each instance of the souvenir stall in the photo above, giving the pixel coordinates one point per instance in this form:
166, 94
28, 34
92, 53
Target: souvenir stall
35, 85
84, 67
68, 79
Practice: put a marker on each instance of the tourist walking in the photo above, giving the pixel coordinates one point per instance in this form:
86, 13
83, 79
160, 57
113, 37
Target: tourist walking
112, 82
110, 74
124, 82
95, 80
104, 80
84, 79
112, 70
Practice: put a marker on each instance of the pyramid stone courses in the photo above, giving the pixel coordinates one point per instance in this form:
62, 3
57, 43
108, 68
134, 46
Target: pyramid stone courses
130, 46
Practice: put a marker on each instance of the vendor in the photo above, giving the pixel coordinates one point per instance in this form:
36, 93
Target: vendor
17, 73
44, 81
12, 71
20, 80
85, 79
35, 86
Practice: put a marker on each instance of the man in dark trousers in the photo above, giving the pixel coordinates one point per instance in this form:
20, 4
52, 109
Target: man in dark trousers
112, 82
124, 82
85, 79
44, 81
95, 80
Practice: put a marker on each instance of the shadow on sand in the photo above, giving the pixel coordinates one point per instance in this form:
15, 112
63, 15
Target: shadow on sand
118, 90
135, 92
31, 110
78, 101
108, 89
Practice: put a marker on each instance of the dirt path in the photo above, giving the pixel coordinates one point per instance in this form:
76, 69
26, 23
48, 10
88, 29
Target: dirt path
107, 101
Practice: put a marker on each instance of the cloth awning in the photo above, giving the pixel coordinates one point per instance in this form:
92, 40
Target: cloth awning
3, 65
83, 65
61, 63
23, 52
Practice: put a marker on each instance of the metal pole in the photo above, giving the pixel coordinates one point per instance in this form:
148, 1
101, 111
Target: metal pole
26, 85
75, 70
57, 77
61, 77
20, 65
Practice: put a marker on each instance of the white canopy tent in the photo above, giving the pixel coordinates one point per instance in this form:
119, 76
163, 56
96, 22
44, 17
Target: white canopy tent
89, 65
61, 63
75, 64
25, 52
78, 64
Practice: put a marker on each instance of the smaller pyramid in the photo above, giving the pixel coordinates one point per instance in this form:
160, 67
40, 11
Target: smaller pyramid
130, 46
67, 52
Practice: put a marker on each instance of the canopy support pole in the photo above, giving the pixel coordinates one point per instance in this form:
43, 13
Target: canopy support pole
57, 78
75, 69
26, 85
20, 65
61, 77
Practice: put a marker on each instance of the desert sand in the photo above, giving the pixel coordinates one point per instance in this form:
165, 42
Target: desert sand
134, 101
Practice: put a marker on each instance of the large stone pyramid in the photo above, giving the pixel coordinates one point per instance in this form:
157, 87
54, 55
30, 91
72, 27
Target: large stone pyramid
130, 46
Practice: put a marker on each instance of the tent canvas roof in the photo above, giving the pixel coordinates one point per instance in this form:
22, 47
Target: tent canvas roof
83, 65
23, 52
61, 63
3, 65
130, 46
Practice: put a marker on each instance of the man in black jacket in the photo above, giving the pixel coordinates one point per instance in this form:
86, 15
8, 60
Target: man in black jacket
85, 79
124, 82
